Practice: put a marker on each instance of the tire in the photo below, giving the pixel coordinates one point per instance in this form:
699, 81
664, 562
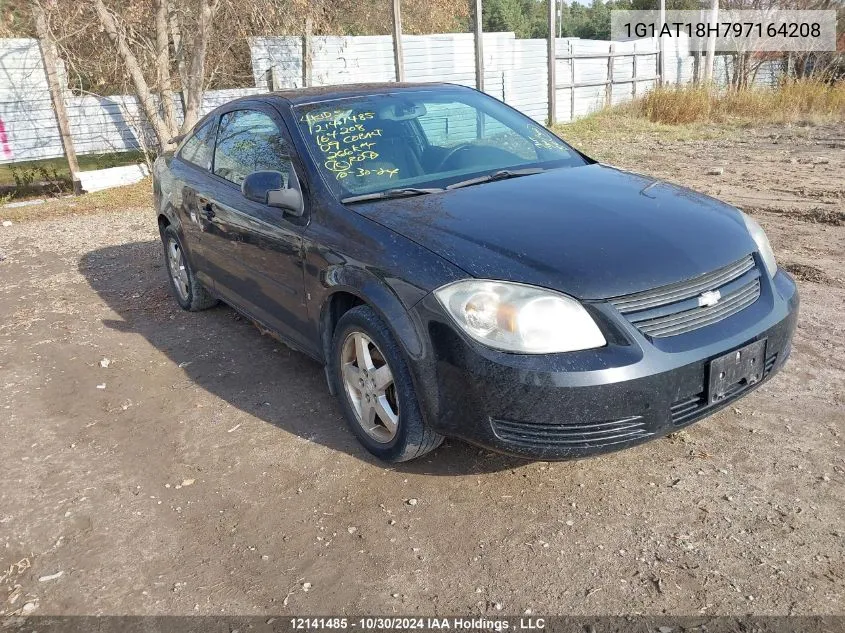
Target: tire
411, 437
189, 293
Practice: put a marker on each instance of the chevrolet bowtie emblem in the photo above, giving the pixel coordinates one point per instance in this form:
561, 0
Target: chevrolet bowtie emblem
709, 298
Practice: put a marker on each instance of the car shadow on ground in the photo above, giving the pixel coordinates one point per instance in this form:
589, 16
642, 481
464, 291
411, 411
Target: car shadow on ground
225, 355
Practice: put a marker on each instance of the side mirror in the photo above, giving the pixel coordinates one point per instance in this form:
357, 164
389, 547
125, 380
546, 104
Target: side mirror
288, 199
269, 187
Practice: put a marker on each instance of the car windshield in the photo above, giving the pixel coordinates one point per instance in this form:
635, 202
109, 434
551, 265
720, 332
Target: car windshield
419, 141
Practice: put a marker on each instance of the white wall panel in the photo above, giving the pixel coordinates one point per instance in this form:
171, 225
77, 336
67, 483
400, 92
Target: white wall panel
515, 71
98, 124
28, 126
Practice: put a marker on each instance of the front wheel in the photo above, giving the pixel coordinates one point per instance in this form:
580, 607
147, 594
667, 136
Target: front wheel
375, 389
188, 291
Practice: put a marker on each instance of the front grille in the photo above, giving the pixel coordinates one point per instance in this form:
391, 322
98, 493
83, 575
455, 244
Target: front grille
539, 435
686, 409
693, 407
675, 309
770, 364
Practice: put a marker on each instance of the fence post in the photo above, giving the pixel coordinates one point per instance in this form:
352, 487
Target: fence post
609, 91
479, 48
397, 40
661, 56
696, 67
552, 59
49, 57
274, 82
307, 52
711, 42
572, 82
634, 76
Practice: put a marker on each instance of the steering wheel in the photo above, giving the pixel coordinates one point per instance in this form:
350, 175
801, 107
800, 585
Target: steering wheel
449, 154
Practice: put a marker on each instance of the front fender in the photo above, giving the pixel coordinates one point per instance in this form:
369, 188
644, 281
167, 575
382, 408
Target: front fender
348, 253
391, 305
393, 301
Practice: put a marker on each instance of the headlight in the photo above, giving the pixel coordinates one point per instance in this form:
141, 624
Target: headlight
763, 246
519, 318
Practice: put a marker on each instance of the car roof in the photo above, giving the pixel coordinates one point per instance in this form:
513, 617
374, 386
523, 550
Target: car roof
296, 96
316, 94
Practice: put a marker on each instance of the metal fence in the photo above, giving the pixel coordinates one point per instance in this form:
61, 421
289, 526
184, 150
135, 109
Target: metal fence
588, 75
515, 70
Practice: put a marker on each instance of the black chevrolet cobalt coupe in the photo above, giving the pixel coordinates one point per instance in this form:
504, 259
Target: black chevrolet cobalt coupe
461, 271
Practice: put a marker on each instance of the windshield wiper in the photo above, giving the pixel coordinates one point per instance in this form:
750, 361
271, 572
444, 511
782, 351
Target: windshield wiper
501, 174
405, 192
391, 193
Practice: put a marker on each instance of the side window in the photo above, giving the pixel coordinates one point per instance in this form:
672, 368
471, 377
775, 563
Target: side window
249, 141
198, 149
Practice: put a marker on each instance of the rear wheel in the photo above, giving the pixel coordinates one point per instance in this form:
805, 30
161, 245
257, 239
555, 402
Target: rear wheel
188, 291
375, 388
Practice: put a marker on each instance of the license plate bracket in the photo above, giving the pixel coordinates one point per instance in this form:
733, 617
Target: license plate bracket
736, 371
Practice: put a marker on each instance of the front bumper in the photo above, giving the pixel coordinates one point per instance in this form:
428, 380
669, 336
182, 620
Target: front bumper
562, 406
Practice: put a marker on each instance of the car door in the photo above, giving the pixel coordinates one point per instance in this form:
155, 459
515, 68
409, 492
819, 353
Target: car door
192, 167
254, 250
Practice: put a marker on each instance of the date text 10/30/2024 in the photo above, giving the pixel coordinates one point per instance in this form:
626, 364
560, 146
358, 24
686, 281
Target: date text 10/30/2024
418, 623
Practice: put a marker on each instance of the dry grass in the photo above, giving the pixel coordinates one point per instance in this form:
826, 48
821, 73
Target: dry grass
794, 101
692, 113
137, 196
610, 134
59, 166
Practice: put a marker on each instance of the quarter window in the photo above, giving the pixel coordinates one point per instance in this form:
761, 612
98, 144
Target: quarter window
199, 148
249, 141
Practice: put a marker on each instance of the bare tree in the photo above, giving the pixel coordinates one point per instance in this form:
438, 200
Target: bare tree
163, 62
816, 64
168, 52
194, 83
159, 109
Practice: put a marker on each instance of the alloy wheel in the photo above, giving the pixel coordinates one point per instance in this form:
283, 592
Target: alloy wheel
369, 386
178, 270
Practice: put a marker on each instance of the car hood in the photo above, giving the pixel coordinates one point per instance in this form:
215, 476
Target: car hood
592, 232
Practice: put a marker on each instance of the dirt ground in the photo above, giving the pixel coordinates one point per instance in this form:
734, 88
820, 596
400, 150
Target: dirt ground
206, 469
